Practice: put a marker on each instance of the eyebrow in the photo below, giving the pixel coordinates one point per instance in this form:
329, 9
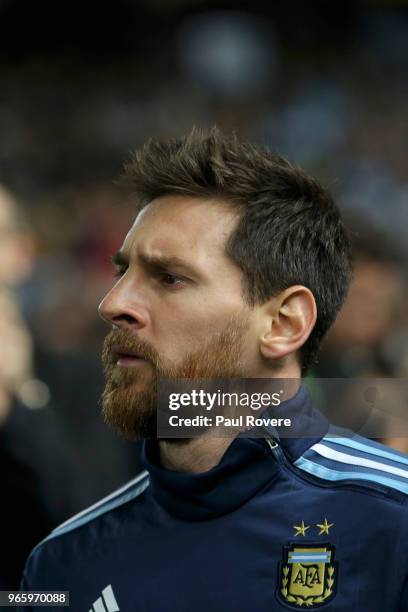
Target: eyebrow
158, 262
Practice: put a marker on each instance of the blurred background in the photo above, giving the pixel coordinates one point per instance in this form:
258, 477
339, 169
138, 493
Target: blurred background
81, 83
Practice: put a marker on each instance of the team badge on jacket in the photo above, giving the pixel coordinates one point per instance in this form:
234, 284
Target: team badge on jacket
307, 575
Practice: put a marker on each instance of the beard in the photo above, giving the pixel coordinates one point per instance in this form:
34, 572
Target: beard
129, 400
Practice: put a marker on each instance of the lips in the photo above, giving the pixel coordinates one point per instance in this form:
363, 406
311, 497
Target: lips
122, 356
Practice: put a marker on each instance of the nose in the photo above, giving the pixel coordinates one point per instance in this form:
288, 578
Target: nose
118, 309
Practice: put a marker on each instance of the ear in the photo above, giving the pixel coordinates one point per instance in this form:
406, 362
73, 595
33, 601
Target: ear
291, 316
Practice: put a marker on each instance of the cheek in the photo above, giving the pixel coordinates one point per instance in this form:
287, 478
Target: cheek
176, 335
183, 331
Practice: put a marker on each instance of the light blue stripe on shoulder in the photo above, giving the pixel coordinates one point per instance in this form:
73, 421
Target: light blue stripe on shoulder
326, 473
371, 449
121, 496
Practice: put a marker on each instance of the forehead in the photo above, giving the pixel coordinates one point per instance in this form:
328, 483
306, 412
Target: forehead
181, 223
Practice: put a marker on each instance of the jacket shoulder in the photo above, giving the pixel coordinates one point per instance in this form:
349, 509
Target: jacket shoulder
129, 491
343, 457
54, 545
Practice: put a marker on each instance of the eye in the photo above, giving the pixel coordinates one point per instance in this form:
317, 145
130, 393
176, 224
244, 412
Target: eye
171, 280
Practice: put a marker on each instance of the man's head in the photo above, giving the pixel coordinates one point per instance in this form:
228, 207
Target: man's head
236, 266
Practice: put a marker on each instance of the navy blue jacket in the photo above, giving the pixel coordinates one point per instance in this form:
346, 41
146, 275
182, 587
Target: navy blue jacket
303, 523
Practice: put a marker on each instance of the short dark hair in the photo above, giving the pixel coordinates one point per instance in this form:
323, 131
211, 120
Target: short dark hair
290, 231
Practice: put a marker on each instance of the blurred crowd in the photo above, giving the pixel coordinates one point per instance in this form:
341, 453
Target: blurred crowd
329, 93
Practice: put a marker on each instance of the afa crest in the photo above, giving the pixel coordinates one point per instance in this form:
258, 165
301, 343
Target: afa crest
307, 575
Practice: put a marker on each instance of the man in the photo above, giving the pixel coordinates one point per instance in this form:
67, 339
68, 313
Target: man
235, 267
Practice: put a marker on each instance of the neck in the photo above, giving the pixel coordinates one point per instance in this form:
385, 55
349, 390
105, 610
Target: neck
195, 455
202, 453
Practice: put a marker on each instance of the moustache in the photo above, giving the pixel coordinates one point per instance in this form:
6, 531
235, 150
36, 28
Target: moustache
120, 342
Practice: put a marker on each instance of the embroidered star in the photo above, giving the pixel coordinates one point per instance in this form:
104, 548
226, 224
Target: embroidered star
301, 529
324, 527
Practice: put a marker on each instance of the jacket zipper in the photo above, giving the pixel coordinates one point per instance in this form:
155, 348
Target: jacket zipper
275, 448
